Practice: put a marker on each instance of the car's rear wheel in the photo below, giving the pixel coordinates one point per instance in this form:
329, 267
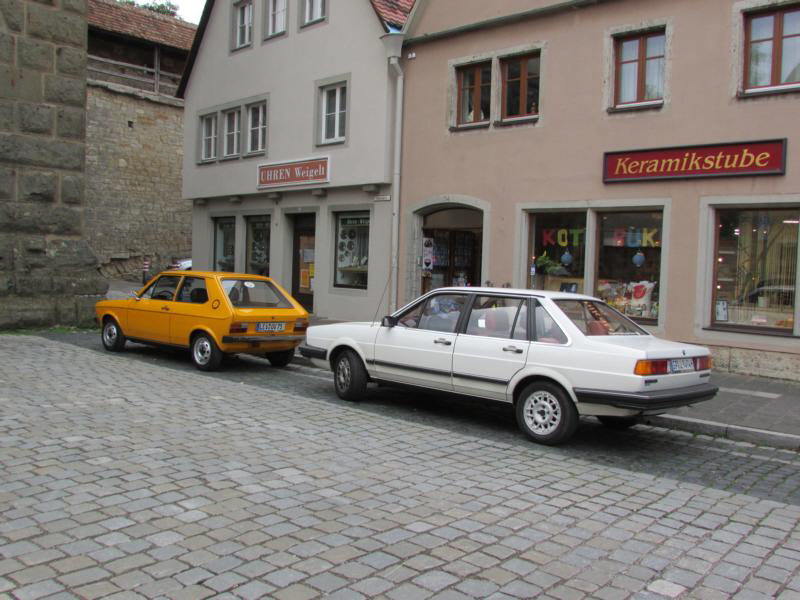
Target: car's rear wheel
618, 423
545, 413
280, 359
206, 355
112, 336
349, 376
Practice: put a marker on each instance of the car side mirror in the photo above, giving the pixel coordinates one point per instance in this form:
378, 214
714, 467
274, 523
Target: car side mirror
388, 321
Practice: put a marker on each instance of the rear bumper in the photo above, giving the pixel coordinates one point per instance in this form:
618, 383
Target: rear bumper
246, 339
313, 352
647, 402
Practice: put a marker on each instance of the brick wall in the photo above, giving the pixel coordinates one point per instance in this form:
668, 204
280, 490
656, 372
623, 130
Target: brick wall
47, 270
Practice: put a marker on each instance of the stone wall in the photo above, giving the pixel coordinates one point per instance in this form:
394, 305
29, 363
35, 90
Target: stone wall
134, 157
48, 273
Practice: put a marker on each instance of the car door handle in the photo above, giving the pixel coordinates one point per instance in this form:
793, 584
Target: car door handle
513, 349
442, 341
165, 308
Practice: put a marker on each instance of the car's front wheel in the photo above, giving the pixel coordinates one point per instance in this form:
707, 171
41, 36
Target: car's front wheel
112, 336
349, 376
206, 355
545, 413
280, 359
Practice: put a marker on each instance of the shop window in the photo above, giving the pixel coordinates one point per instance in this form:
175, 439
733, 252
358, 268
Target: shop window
276, 17
474, 93
450, 257
755, 280
629, 262
640, 68
243, 28
232, 120
559, 251
772, 48
224, 243
520, 86
352, 250
313, 10
257, 127
258, 245
333, 103
208, 125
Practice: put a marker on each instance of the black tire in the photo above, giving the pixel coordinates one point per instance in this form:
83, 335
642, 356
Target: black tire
205, 353
546, 414
618, 423
280, 359
349, 376
112, 336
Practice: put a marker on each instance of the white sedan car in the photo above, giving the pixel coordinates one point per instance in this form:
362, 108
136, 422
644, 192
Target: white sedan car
554, 355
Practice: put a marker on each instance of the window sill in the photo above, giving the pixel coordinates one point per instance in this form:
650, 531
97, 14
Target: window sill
331, 142
314, 22
750, 330
274, 36
775, 90
254, 154
634, 106
242, 47
470, 126
207, 161
517, 121
230, 158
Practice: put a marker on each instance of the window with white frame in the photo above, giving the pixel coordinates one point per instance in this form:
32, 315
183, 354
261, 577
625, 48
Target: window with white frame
276, 17
232, 132
314, 10
243, 29
334, 113
257, 127
208, 126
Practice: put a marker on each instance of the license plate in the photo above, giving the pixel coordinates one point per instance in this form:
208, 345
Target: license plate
270, 326
681, 365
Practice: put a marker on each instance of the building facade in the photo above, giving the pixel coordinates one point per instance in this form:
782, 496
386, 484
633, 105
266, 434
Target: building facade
290, 146
642, 152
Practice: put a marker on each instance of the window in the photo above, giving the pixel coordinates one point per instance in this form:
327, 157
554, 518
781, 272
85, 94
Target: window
334, 113
755, 276
193, 290
257, 125
474, 93
276, 17
163, 288
499, 317
232, 132
258, 245
546, 330
224, 243
209, 132
594, 318
352, 250
243, 28
559, 249
437, 313
314, 10
640, 68
247, 293
772, 48
629, 262
520, 86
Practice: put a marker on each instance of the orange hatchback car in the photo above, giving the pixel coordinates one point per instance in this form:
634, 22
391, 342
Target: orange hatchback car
211, 314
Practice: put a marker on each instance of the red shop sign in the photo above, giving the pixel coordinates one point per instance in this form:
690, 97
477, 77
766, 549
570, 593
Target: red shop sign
299, 172
766, 157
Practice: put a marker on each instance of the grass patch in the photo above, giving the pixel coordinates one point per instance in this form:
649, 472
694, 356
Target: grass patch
52, 329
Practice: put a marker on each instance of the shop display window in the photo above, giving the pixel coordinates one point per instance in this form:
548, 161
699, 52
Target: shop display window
559, 250
755, 280
352, 250
258, 245
224, 243
629, 262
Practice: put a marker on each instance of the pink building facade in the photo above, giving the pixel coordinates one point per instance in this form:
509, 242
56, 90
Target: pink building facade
640, 151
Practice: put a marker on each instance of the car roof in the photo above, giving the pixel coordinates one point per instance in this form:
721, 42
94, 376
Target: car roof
516, 291
218, 274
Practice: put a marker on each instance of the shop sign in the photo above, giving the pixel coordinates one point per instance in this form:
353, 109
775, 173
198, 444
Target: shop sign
299, 172
684, 162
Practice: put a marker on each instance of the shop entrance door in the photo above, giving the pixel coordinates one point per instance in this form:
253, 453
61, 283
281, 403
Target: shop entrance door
452, 243
303, 262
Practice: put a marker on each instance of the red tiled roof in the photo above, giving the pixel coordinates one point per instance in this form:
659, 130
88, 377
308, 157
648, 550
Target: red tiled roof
394, 12
141, 23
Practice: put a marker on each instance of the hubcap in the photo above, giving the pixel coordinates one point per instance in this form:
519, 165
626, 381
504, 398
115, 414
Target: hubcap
343, 374
110, 333
542, 412
202, 351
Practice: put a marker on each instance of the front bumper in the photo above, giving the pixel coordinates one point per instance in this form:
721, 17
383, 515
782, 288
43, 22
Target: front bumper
313, 352
654, 401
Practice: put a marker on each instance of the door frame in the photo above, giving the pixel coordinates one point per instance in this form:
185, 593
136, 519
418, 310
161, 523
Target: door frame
302, 224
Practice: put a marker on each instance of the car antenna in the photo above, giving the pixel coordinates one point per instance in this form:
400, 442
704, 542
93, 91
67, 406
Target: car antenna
380, 301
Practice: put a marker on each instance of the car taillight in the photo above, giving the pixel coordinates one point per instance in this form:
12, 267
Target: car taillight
238, 328
650, 367
703, 363
300, 325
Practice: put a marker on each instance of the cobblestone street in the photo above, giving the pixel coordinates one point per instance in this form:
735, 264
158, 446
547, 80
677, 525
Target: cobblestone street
133, 475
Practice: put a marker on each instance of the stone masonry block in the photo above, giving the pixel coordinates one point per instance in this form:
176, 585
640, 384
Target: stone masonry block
18, 312
35, 118
56, 26
78, 6
72, 189
7, 251
6, 282
38, 186
34, 54
6, 48
7, 181
6, 116
65, 90
40, 152
13, 12
39, 219
9, 87
71, 61
33, 285
22, 84
70, 254
70, 123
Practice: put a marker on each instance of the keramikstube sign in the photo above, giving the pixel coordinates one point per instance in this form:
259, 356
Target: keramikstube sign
297, 172
766, 157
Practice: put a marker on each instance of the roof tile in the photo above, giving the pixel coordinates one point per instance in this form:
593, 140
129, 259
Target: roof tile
393, 12
141, 23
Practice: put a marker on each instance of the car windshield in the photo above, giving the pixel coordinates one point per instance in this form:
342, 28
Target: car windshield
597, 318
254, 293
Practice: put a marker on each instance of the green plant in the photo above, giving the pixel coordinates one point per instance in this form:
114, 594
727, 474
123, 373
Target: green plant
165, 8
548, 266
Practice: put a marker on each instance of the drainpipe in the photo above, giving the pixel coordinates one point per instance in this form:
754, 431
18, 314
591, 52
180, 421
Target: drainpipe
393, 43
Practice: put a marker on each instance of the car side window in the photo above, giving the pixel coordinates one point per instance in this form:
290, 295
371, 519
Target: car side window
546, 329
193, 290
440, 312
163, 288
494, 316
521, 324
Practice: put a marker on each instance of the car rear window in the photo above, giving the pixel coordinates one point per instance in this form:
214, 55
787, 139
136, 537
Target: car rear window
254, 293
597, 318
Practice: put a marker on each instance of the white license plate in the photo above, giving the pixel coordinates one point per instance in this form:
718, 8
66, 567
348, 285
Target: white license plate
270, 326
681, 365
